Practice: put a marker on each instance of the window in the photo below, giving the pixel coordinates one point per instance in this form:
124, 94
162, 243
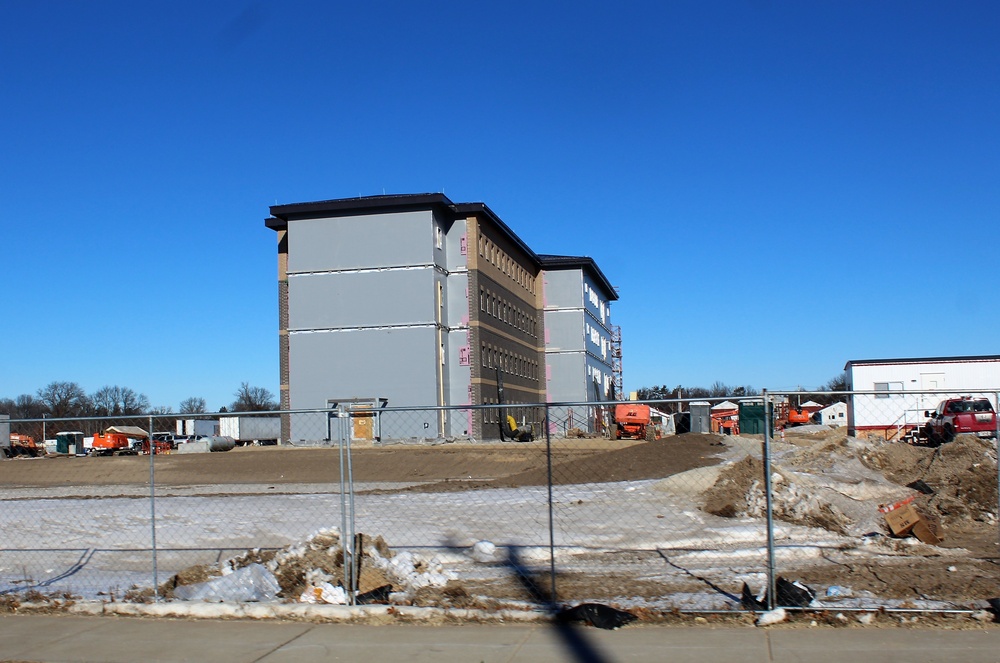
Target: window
887, 387
438, 237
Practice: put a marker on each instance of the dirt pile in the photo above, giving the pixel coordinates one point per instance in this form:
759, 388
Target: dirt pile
962, 474
728, 496
836, 483
739, 492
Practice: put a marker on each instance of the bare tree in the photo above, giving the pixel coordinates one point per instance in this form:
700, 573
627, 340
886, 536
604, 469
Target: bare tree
253, 399
115, 400
193, 405
718, 388
838, 383
29, 407
64, 399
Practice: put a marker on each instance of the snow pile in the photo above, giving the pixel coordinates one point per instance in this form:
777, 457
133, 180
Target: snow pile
312, 571
415, 571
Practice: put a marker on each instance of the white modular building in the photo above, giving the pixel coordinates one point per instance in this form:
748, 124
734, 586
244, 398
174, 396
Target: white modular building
903, 389
832, 415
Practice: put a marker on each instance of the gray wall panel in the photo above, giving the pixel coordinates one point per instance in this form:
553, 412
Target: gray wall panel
397, 364
456, 292
353, 242
564, 330
564, 288
356, 299
566, 378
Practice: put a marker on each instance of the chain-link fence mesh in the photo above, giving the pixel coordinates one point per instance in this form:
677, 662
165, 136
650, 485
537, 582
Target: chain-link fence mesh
877, 499
893, 506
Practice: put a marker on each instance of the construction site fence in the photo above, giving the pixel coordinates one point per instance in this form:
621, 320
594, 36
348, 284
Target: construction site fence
715, 504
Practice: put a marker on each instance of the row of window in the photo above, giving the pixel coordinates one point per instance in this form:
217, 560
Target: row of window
509, 362
506, 264
505, 312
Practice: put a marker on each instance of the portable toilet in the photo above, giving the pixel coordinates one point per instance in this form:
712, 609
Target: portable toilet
69, 442
752, 417
701, 417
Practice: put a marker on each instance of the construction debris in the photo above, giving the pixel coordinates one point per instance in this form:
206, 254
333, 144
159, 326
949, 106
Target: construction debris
596, 614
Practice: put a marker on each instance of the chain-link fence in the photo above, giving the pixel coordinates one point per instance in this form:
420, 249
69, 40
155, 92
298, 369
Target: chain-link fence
868, 499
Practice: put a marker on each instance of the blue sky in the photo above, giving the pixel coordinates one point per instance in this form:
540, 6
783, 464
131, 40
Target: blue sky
775, 187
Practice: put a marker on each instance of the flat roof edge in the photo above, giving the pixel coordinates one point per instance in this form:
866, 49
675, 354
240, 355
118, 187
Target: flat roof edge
922, 360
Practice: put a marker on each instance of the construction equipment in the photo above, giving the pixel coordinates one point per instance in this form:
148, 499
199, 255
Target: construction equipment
798, 417
159, 446
631, 421
118, 441
23, 445
112, 444
508, 424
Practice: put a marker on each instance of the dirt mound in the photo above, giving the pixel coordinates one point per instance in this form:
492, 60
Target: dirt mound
739, 491
728, 496
962, 474
646, 460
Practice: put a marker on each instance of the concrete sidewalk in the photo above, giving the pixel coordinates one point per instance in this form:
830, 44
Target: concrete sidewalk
60, 638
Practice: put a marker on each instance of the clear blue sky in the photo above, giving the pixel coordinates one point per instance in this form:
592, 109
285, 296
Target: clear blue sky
776, 187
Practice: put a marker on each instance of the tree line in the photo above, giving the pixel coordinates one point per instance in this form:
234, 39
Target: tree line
68, 399
722, 390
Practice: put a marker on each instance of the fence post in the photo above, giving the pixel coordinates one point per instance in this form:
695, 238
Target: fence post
346, 496
152, 510
767, 499
552, 527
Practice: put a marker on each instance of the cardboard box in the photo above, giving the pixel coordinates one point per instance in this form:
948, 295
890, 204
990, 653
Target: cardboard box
927, 532
902, 519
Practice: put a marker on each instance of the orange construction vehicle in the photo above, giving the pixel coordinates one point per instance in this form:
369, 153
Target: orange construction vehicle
631, 421
798, 416
112, 444
23, 445
118, 441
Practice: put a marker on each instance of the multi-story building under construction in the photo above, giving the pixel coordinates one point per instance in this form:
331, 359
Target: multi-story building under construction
414, 300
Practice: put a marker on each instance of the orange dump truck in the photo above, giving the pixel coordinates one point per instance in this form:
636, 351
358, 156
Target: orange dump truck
631, 421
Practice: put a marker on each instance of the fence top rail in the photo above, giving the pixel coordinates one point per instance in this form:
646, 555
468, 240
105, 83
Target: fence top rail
765, 395
894, 392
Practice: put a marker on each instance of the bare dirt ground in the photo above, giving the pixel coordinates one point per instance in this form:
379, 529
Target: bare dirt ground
445, 466
964, 568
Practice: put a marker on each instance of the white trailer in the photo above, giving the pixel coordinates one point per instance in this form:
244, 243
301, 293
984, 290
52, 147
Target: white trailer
251, 429
197, 427
905, 388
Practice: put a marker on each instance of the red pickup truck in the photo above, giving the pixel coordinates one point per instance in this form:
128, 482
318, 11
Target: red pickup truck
956, 416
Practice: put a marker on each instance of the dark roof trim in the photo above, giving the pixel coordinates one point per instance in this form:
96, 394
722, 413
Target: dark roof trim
586, 263
921, 360
464, 209
282, 214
